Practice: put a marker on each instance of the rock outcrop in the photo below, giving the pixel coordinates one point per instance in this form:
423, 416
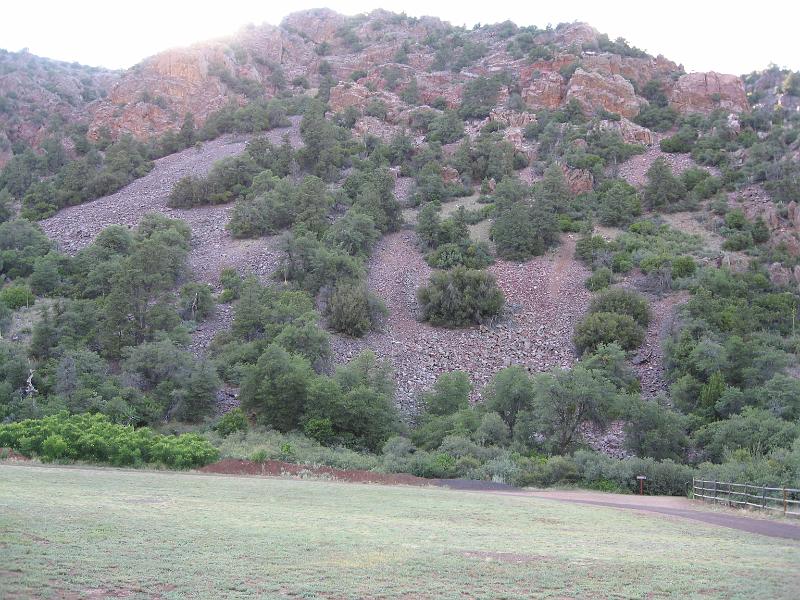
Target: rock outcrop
35, 90
613, 93
706, 92
638, 70
546, 91
579, 181
376, 55
629, 131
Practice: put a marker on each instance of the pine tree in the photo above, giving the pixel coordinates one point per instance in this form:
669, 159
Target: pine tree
663, 191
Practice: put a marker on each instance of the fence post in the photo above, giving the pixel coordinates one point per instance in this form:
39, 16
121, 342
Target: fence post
715, 491
784, 501
763, 497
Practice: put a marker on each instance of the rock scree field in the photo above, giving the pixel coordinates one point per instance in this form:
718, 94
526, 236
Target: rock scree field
99, 533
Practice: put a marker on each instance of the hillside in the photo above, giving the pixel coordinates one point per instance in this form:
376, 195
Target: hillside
38, 94
511, 253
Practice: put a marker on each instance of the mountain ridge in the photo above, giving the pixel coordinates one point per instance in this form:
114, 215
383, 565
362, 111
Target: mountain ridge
380, 54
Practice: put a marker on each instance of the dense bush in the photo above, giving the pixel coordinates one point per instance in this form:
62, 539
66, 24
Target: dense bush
285, 204
460, 297
522, 230
354, 310
600, 279
16, 296
354, 407
196, 301
93, 438
655, 431
228, 180
755, 430
623, 302
445, 128
449, 395
605, 328
617, 203
21, 243
480, 96
683, 141
466, 254
231, 422
663, 191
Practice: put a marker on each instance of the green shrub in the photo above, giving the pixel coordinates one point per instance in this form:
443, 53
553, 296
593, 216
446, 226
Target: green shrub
276, 388
663, 191
16, 296
605, 328
445, 128
480, 96
681, 142
618, 203
683, 266
354, 310
664, 477
231, 283
450, 394
493, 431
755, 430
94, 438
624, 302
232, 421
510, 392
655, 431
468, 255
621, 262
460, 298
523, 231
599, 280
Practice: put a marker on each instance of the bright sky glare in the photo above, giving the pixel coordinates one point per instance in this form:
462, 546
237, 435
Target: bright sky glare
725, 36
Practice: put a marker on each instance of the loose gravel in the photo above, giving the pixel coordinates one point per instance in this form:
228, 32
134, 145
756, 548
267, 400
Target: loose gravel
535, 333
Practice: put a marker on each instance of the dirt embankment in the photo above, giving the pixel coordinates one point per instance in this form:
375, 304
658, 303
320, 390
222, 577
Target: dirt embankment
277, 468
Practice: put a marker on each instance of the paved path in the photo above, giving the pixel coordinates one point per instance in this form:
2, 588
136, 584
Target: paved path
673, 506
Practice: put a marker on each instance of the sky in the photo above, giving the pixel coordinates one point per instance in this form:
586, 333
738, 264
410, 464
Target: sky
724, 36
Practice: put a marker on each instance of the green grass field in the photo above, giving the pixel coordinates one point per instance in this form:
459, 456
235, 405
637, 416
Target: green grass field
80, 532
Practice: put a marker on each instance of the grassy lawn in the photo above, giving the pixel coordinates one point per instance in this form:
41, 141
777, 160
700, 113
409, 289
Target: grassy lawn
73, 532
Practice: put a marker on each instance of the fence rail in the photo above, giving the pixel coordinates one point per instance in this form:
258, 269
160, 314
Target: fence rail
777, 499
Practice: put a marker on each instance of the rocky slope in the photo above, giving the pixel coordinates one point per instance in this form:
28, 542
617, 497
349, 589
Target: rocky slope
37, 94
378, 55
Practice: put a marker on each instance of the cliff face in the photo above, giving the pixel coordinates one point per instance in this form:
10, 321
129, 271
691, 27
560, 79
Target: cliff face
36, 92
377, 55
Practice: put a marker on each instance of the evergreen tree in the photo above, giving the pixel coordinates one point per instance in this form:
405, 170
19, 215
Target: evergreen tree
663, 191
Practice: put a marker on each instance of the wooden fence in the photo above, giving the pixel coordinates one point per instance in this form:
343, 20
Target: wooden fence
776, 499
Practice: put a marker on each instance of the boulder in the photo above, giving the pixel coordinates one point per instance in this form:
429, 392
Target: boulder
706, 92
441, 84
579, 34
578, 180
788, 240
594, 90
546, 91
638, 70
450, 175
345, 95
509, 118
319, 24
779, 275
630, 132
793, 214
374, 126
